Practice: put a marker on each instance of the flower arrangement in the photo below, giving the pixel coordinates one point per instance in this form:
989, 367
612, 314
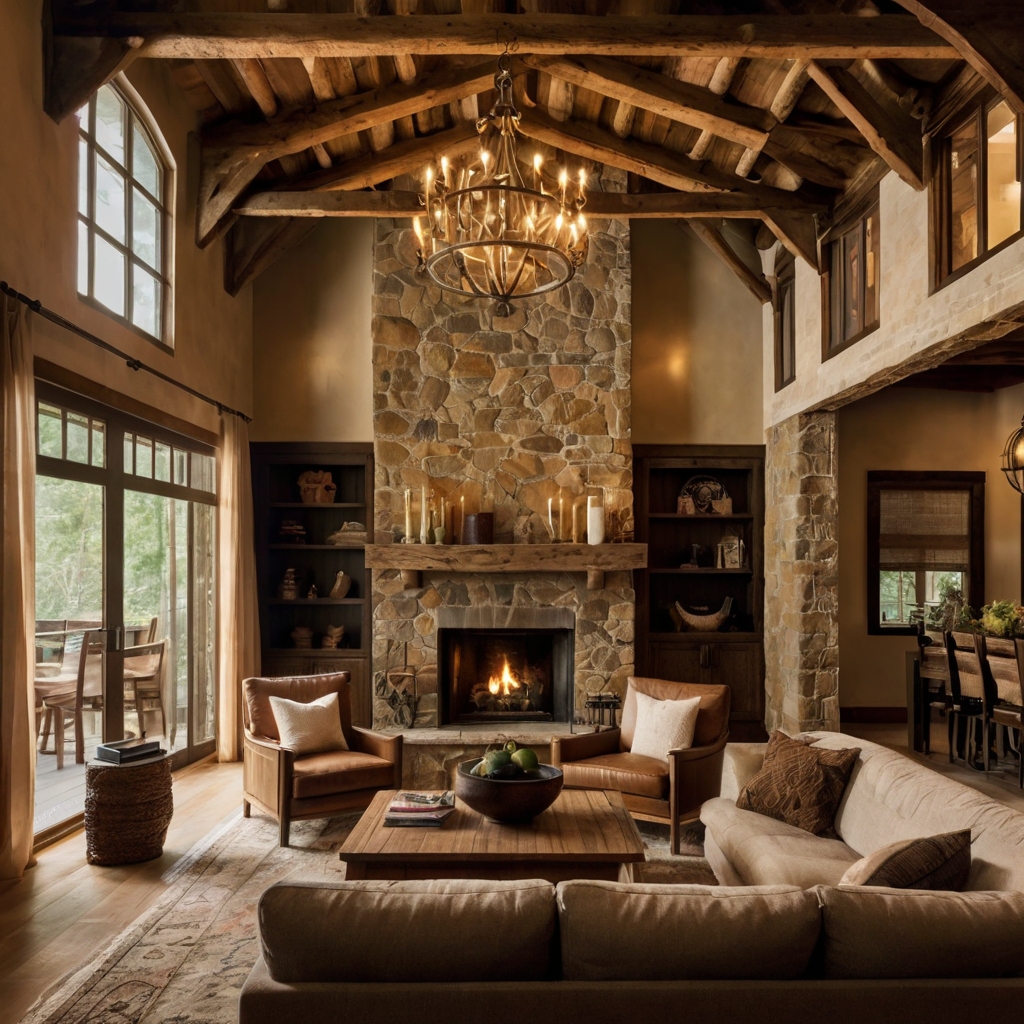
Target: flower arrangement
1003, 618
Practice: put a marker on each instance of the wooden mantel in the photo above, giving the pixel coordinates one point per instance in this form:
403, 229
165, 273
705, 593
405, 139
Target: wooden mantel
595, 560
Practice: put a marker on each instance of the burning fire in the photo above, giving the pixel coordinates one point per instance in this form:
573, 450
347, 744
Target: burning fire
504, 685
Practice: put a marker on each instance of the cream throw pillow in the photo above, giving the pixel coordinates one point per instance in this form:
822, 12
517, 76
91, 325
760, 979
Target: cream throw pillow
309, 728
663, 725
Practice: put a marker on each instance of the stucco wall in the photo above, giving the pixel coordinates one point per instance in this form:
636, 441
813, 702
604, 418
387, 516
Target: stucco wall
696, 343
312, 379
38, 247
911, 319
910, 429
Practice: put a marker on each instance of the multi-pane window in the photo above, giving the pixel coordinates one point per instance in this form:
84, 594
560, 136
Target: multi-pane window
122, 214
850, 282
925, 543
977, 194
68, 435
785, 320
156, 460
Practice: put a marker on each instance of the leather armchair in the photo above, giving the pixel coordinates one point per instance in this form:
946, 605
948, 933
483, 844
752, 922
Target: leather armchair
290, 787
653, 789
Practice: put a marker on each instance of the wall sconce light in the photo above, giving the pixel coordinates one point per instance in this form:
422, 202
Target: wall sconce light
1013, 459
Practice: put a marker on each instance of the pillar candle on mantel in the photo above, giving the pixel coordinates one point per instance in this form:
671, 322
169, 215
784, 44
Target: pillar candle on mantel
408, 515
423, 515
595, 521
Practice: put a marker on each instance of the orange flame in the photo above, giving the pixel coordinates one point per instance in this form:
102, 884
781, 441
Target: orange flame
504, 684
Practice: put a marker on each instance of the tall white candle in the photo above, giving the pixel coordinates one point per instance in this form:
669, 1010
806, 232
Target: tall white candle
551, 525
462, 518
408, 515
561, 518
423, 515
595, 521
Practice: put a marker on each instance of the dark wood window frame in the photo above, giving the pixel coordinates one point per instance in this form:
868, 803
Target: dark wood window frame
939, 206
785, 283
858, 215
878, 481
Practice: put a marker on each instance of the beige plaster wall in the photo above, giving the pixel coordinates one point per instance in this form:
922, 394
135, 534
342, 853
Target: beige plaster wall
696, 343
312, 376
911, 319
910, 429
38, 250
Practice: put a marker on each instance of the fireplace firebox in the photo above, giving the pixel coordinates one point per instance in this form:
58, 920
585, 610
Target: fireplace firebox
505, 675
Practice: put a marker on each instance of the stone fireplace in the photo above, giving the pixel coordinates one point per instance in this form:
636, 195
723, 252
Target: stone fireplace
500, 413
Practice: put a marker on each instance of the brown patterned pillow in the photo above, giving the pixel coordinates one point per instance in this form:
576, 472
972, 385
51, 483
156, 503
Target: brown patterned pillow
934, 862
800, 784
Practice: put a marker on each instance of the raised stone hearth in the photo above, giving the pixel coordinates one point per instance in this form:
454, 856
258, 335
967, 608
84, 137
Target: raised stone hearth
504, 412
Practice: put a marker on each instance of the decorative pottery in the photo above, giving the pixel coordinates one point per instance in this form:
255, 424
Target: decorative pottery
302, 636
342, 584
332, 637
289, 587
317, 487
349, 536
511, 800
704, 623
705, 491
311, 594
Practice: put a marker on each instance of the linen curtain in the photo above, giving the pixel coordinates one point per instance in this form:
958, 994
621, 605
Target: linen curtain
17, 592
238, 647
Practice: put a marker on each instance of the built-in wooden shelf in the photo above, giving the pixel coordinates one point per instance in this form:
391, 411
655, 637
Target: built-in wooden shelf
317, 505
315, 547
683, 570
593, 559
700, 515
318, 600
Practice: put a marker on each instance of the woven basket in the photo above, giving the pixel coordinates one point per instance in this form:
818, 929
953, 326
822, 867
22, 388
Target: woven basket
127, 811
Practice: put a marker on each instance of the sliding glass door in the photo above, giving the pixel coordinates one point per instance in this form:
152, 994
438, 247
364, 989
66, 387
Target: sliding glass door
125, 592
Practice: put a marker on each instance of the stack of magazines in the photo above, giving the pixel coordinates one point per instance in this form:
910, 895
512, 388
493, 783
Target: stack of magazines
411, 809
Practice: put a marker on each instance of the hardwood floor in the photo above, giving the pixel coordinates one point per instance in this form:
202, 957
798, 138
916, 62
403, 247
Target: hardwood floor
63, 910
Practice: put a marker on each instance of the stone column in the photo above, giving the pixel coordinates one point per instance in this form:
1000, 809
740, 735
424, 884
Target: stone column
801, 575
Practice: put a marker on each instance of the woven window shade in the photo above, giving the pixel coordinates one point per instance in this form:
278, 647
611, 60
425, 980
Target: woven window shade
925, 530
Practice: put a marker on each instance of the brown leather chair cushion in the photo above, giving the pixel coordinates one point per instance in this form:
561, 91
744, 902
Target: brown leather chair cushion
712, 718
628, 773
258, 691
339, 771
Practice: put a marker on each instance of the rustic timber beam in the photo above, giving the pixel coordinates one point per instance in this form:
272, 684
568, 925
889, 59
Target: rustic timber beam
304, 128
676, 100
797, 232
986, 34
209, 36
952, 96
408, 157
397, 203
891, 132
653, 162
77, 67
713, 239
806, 166
254, 245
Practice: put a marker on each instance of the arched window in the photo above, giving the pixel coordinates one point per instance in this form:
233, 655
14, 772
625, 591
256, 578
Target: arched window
124, 223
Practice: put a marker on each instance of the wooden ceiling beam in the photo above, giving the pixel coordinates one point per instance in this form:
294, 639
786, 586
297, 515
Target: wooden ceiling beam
398, 203
76, 68
207, 36
672, 169
714, 240
798, 233
254, 245
891, 132
668, 97
986, 33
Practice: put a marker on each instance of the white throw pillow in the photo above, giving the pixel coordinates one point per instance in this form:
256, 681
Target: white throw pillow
309, 728
663, 725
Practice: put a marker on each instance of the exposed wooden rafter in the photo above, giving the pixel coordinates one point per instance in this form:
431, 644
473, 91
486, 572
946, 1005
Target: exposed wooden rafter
678, 101
254, 245
714, 240
76, 68
209, 36
891, 132
401, 203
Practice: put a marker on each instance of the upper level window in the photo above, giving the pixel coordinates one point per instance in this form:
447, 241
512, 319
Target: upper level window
976, 200
123, 219
785, 320
850, 307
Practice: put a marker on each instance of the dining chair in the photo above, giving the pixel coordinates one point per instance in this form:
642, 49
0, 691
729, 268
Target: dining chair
69, 708
143, 682
49, 684
966, 700
1002, 664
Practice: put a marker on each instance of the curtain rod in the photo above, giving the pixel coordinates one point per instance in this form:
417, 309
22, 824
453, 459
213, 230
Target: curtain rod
134, 364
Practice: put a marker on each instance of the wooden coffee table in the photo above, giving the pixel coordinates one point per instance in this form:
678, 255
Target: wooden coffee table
584, 834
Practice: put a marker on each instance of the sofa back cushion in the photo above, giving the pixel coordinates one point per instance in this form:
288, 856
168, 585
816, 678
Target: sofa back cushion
443, 930
638, 932
891, 797
871, 932
259, 715
712, 718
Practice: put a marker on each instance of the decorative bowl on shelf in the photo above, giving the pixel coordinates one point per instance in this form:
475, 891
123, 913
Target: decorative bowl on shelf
508, 800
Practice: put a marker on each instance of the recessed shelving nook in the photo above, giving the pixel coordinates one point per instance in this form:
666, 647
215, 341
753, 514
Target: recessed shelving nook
683, 565
306, 547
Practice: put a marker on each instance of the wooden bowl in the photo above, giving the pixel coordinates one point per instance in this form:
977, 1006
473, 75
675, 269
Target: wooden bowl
511, 800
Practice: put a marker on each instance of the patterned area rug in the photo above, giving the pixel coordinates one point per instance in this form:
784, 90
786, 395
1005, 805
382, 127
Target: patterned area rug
184, 961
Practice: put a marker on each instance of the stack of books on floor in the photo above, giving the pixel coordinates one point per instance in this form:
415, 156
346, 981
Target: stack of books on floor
411, 809
123, 751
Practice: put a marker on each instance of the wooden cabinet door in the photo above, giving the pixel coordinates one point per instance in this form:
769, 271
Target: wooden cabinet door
680, 662
741, 668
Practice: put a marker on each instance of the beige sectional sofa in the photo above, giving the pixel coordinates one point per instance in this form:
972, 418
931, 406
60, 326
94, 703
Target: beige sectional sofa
889, 797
